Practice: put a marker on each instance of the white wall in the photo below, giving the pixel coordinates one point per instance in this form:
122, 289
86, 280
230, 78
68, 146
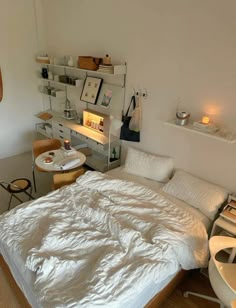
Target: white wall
21, 99
173, 48
183, 48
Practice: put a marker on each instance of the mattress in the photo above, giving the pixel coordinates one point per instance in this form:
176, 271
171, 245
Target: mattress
25, 278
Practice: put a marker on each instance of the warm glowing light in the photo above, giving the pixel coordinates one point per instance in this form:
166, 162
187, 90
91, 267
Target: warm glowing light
205, 120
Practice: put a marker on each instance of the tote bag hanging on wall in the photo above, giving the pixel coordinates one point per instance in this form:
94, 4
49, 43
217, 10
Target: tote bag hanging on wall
135, 122
126, 133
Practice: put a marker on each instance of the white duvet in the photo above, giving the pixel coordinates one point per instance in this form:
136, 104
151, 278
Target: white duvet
99, 241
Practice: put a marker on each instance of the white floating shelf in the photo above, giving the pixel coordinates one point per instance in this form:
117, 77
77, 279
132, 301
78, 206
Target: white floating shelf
217, 135
60, 83
119, 69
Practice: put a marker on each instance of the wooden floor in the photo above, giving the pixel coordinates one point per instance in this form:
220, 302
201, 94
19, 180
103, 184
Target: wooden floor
195, 282
11, 297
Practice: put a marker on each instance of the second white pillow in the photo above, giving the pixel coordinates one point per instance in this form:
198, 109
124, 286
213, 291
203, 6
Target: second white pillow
157, 168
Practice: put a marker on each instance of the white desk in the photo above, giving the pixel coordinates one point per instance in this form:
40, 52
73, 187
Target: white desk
61, 160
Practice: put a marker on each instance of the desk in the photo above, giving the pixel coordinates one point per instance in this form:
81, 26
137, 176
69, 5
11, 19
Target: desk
61, 160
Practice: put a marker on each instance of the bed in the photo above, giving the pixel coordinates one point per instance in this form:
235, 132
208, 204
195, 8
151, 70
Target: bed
109, 240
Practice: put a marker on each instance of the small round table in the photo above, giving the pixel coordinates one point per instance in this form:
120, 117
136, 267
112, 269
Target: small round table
60, 160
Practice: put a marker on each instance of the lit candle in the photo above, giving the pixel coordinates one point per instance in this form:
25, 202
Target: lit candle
205, 120
67, 144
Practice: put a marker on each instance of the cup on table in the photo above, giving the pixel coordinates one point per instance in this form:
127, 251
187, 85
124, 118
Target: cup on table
67, 144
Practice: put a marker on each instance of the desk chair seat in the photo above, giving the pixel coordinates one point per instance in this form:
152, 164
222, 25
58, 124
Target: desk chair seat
21, 185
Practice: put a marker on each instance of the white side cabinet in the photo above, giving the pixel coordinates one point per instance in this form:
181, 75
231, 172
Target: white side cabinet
225, 227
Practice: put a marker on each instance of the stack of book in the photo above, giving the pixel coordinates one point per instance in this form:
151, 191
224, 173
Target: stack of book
229, 212
105, 69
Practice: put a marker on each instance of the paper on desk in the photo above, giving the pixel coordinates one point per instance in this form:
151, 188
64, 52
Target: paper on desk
68, 163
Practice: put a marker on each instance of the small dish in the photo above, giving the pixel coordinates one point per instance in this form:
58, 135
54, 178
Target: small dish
48, 160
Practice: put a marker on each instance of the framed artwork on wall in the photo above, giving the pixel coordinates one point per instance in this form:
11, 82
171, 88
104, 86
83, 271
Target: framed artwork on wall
91, 89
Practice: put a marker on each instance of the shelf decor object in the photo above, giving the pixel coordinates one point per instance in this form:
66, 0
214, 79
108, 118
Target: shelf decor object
43, 59
89, 63
205, 125
91, 89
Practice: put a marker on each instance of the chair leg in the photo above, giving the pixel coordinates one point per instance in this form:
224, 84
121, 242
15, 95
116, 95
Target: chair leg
29, 194
213, 299
34, 180
17, 198
9, 204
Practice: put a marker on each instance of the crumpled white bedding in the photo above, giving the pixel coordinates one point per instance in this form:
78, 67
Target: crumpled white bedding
98, 241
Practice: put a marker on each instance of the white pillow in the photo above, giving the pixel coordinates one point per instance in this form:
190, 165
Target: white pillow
201, 194
150, 166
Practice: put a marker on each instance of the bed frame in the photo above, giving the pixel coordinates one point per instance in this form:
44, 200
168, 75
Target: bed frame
155, 302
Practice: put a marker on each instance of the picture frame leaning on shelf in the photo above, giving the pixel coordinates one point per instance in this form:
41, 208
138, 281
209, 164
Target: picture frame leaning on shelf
91, 89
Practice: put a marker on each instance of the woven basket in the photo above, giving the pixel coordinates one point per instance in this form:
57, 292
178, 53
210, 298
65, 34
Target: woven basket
89, 63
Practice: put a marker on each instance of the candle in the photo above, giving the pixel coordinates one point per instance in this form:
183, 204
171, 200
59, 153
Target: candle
67, 144
205, 120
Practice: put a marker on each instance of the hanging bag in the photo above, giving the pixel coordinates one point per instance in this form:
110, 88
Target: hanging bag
125, 132
135, 122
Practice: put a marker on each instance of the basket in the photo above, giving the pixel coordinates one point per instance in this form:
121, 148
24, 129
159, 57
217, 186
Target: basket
89, 63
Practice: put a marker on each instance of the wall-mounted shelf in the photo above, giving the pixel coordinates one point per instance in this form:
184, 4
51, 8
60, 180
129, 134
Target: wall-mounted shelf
103, 145
118, 69
229, 138
53, 97
59, 83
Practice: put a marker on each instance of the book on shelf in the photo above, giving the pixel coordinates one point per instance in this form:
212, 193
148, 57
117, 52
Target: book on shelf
229, 211
105, 68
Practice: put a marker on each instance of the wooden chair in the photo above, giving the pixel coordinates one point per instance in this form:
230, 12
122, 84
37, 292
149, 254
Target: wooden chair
61, 179
39, 147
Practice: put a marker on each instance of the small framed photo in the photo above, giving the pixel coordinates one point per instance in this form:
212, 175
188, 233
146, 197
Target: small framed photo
110, 96
91, 89
106, 98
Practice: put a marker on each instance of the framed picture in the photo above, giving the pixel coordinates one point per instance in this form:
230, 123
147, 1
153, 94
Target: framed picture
91, 89
106, 98
110, 96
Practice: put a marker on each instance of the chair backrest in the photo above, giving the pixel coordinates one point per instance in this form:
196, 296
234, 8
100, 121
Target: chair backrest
44, 145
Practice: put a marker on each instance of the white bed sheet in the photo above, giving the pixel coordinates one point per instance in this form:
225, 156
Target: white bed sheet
25, 278
119, 173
